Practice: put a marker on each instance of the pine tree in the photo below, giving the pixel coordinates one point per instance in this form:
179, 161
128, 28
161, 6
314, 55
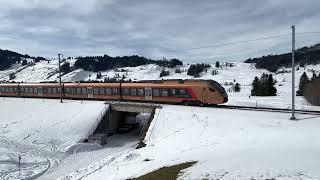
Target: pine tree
314, 76
302, 84
265, 86
255, 87
272, 90
217, 64
237, 87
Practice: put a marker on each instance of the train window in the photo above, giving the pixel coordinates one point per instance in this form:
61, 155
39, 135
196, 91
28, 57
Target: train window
211, 89
115, 90
164, 92
35, 90
173, 92
101, 91
15, 89
58, 90
133, 92
45, 90
108, 91
67, 90
182, 91
11, 90
84, 90
54, 90
95, 91
78, 90
125, 91
49, 90
140, 92
156, 92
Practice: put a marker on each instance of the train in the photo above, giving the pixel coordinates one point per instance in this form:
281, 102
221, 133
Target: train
185, 92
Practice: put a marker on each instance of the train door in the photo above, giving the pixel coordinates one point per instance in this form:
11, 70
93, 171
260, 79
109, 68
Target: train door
204, 95
148, 93
90, 92
39, 91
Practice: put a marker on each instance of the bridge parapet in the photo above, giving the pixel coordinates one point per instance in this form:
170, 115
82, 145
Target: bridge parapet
134, 107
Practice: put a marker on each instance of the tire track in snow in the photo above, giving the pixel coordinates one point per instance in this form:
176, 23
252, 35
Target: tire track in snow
51, 159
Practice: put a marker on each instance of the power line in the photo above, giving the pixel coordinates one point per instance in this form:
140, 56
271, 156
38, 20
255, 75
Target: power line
244, 41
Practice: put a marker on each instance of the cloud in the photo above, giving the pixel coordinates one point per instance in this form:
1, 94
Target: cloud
155, 28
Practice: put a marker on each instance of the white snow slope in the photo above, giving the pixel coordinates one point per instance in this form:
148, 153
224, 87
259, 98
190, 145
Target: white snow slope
227, 144
40, 131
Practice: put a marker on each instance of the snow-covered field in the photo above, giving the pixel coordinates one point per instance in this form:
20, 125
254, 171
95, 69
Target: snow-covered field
40, 131
241, 72
227, 144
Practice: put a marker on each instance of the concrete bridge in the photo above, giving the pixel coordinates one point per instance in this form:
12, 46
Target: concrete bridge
121, 117
133, 107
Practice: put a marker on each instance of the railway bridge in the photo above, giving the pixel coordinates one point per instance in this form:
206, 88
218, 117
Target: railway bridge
121, 118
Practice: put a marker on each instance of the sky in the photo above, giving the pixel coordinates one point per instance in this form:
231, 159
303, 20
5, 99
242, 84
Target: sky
156, 29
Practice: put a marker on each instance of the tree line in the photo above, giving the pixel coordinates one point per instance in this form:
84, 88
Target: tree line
102, 63
303, 56
7, 58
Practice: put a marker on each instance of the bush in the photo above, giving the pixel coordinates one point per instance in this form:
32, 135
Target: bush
217, 64
312, 93
214, 72
195, 69
237, 88
177, 71
12, 76
164, 73
65, 67
99, 75
24, 62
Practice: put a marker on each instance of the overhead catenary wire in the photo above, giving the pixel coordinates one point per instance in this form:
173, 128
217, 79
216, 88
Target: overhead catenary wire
244, 41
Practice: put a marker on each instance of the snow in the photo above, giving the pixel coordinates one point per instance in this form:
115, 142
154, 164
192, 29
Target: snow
40, 131
227, 144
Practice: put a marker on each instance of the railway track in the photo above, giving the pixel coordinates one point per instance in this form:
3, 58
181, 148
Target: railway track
248, 108
266, 109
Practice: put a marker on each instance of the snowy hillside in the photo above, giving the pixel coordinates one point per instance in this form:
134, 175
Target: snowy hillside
241, 72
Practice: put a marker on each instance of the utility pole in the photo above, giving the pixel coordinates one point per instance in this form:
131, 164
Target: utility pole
293, 71
60, 79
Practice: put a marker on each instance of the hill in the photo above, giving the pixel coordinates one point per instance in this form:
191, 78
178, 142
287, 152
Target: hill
303, 56
8, 58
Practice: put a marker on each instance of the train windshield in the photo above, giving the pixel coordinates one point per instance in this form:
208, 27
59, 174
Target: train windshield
218, 87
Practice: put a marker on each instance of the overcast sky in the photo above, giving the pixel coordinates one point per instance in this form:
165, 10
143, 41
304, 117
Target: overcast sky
155, 29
